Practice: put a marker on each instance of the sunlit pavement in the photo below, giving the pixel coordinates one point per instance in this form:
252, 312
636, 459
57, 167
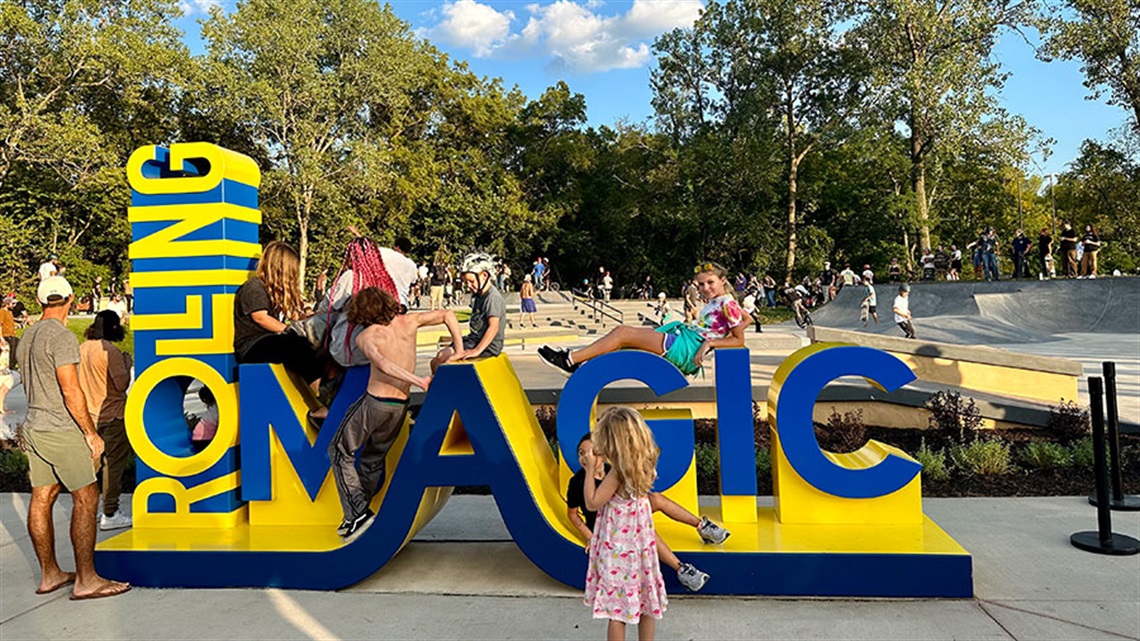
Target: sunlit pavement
463, 578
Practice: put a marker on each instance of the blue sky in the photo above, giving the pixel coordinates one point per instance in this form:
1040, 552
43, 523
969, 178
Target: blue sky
602, 50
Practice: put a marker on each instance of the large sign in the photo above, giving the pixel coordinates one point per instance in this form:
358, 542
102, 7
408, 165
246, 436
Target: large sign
258, 507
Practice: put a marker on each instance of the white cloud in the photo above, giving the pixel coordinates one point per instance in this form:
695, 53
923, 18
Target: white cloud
474, 26
191, 7
572, 33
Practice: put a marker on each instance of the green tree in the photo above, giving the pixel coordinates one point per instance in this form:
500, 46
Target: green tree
82, 83
932, 62
315, 85
1105, 36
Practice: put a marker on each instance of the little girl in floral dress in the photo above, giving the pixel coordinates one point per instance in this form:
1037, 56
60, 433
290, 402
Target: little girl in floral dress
623, 581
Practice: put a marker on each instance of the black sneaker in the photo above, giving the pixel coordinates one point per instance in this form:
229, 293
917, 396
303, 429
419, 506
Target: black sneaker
358, 526
559, 359
342, 529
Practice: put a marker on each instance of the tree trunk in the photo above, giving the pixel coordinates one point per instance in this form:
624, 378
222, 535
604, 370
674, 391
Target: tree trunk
793, 170
304, 216
918, 178
908, 262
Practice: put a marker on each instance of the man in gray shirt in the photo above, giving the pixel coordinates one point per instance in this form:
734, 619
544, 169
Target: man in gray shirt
62, 445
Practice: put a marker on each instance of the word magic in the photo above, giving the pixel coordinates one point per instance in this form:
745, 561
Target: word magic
258, 507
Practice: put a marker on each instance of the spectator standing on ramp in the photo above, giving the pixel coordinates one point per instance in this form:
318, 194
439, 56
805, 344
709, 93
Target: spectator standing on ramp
894, 272
1091, 244
1021, 247
1069, 249
62, 445
901, 309
827, 282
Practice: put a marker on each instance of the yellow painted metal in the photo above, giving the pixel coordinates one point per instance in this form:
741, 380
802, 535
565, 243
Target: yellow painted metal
798, 502
226, 437
224, 164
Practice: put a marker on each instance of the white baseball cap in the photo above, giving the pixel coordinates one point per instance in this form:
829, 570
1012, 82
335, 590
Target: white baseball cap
53, 289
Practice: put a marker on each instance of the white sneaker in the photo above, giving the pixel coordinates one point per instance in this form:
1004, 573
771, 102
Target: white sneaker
115, 521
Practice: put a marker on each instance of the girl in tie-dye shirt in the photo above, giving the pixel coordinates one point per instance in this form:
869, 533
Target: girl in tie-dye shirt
720, 324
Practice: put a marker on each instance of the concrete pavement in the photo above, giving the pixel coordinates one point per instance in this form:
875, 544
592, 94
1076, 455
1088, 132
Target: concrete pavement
462, 578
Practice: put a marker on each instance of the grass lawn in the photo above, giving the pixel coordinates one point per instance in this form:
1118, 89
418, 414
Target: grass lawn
79, 325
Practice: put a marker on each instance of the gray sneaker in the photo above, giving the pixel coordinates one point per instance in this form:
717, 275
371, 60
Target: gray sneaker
711, 532
691, 577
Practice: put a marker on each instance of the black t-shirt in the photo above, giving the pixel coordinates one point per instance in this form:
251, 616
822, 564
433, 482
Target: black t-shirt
1044, 244
576, 496
1021, 245
438, 276
1068, 240
251, 297
1091, 242
827, 277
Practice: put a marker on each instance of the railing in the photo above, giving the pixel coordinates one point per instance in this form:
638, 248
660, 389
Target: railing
599, 309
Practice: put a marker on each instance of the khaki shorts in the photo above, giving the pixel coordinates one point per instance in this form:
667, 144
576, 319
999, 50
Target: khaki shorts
59, 457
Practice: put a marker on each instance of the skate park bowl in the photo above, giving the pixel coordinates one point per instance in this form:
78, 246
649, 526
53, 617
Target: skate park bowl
1018, 339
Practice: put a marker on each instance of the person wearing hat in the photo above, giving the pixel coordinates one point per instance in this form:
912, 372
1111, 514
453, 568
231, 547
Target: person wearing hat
902, 311
62, 445
50, 267
105, 375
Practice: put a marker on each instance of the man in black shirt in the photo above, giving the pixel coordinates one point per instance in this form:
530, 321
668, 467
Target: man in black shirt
1021, 247
827, 281
1069, 249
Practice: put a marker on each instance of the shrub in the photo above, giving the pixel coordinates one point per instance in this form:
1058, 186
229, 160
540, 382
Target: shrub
763, 461
1042, 455
982, 456
933, 462
954, 415
843, 433
1069, 421
13, 462
1082, 453
707, 463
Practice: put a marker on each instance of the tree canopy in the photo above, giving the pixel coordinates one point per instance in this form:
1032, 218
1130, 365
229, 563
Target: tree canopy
785, 133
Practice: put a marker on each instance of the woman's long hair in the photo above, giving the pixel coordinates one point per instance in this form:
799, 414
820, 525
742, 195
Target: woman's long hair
622, 437
280, 271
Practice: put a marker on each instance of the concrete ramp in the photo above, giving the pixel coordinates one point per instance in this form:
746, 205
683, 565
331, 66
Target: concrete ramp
1005, 312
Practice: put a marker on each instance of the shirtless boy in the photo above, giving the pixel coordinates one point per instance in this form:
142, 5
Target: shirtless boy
373, 422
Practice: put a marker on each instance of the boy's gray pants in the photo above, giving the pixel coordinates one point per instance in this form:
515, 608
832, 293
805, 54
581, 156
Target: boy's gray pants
371, 426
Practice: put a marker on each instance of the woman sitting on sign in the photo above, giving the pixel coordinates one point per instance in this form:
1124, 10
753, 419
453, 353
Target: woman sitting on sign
262, 308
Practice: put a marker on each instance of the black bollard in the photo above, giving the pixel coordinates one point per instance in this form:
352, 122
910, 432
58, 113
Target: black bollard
1119, 500
1103, 540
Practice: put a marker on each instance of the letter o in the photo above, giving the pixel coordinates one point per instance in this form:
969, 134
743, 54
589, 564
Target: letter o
136, 415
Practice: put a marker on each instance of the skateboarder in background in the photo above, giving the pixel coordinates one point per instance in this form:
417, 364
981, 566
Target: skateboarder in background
901, 309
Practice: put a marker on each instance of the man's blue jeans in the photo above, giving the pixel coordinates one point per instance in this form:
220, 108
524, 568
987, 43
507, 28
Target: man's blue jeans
989, 266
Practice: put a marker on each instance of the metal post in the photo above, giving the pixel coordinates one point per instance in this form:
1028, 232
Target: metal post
1119, 500
1020, 213
1104, 540
1053, 203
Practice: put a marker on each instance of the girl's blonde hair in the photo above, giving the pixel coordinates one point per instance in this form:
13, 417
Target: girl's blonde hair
710, 267
280, 271
622, 437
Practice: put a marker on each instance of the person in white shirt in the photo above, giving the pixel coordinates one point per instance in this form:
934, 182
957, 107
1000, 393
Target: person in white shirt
402, 269
868, 275
902, 311
847, 275
50, 268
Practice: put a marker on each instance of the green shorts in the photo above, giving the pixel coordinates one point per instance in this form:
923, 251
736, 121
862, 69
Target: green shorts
59, 457
681, 343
